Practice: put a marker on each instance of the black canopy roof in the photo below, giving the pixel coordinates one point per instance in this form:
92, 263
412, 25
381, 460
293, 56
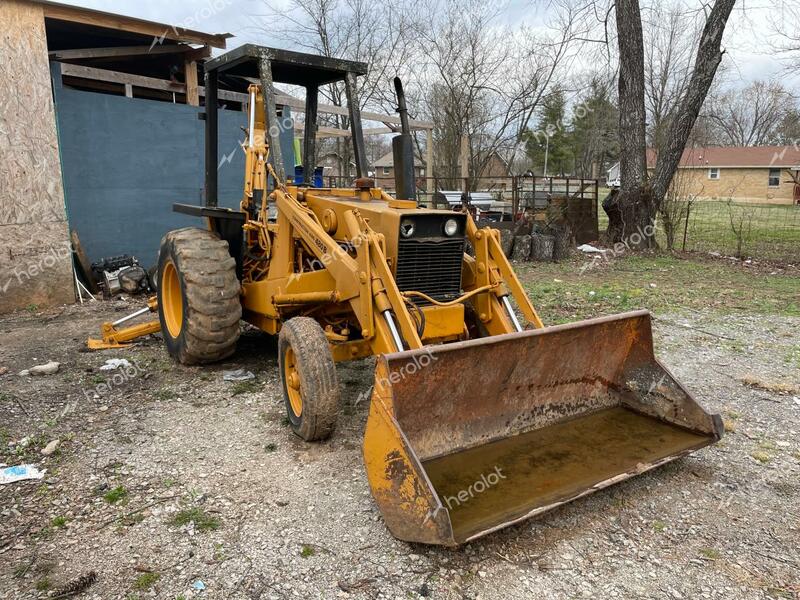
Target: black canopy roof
293, 68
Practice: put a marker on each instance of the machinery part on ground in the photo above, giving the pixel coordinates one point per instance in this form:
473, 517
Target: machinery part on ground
133, 280
108, 272
562, 412
112, 337
310, 383
198, 296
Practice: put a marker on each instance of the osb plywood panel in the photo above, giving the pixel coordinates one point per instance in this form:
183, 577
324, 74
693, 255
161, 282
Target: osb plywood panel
34, 271
32, 216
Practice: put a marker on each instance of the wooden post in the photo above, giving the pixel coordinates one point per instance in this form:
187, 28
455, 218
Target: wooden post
429, 165
464, 157
128, 90
192, 90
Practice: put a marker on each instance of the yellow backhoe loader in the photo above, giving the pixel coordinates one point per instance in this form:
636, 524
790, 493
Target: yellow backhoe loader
480, 416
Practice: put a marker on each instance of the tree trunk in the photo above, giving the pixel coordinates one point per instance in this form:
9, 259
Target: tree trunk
709, 55
632, 212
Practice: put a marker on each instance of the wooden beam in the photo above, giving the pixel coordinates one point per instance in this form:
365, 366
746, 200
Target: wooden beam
299, 103
159, 31
141, 81
116, 77
190, 74
119, 51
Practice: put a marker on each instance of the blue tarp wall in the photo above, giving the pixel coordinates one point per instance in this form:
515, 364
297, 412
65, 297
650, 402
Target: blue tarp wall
125, 161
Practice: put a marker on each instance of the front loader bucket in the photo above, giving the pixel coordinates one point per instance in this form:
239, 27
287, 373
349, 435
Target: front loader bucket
466, 438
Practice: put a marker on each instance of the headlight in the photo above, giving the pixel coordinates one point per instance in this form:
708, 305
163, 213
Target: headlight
450, 227
407, 229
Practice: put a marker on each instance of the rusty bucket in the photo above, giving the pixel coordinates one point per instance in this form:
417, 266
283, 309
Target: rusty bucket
467, 438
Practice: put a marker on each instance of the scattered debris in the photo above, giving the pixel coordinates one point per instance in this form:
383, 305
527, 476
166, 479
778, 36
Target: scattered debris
237, 375
51, 448
75, 587
199, 586
776, 388
46, 369
589, 249
115, 363
20, 473
3, 370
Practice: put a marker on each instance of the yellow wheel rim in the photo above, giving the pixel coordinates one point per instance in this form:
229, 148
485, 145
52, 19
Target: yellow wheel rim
171, 299
292, 379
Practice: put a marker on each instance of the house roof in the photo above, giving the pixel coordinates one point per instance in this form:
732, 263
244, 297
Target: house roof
387, 160
122, 23
762, 157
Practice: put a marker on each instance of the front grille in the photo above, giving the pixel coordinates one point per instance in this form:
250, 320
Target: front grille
432, 267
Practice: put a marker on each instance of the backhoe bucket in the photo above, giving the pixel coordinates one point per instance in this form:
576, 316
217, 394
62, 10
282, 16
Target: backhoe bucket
466, 438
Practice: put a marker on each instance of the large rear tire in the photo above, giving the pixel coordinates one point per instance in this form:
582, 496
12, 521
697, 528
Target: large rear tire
198, 296
308, 374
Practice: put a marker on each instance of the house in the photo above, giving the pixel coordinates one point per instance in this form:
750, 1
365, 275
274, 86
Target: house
762, 174
332, 164
384, 170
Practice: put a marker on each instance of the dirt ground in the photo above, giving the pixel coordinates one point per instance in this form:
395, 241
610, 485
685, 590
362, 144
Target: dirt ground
169, 476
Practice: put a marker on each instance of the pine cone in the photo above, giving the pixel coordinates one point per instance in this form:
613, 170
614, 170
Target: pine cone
75, 587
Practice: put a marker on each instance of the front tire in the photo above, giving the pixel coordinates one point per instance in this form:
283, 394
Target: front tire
198, 296
308, 374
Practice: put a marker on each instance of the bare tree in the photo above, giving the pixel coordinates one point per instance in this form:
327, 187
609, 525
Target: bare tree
484, 81
632, 212
347, 29
784, 19
752, 116
673, 34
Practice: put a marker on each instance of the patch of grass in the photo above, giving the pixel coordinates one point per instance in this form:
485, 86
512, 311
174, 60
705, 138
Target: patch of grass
43, 584
761, 456
307, 552
730, 425
682, 282
164, 394
115, 495
710, 553
245, 387
767, 445
201, 519
32, 308
793, 356
659, 526
169, 482
59, 522
271, 447
146, 580
219, 552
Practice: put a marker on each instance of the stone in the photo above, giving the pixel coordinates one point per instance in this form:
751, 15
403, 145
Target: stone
51, 448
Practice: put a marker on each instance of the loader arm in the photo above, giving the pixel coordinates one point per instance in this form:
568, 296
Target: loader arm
492, 268
366, 281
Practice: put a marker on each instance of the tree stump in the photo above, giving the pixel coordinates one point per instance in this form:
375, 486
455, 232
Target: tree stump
522, 248
506, 241
562, 244
542, 247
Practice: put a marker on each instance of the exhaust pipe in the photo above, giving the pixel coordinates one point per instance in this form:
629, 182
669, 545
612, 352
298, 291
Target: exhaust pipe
403, 151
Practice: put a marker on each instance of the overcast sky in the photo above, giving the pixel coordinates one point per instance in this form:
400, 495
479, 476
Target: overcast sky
746, 40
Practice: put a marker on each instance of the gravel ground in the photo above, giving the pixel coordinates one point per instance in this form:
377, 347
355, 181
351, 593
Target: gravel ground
174, 476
